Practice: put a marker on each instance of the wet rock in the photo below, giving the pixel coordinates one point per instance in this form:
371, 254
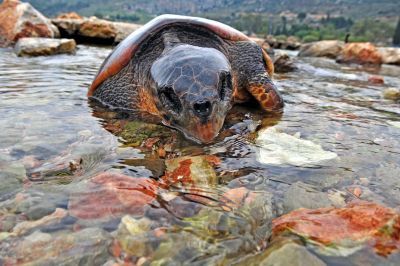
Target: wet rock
283, 63
291, 254
38, 211
280, 148
301, 195
11, 176
343, 230
111, 195
7, 222
88, 247
192, 170
290, 43
28, 226
391, 94
134, 236
136, 133
360, 53
376, 80
19, 20
94, 30
390, 55
44, 46
331, 49
263, 44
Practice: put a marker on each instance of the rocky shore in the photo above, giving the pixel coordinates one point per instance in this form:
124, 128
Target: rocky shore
20, 20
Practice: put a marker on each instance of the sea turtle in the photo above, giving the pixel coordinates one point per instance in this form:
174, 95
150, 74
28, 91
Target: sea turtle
187, 71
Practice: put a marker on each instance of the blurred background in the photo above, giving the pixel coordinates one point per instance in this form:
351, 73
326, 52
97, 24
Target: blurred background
308, 20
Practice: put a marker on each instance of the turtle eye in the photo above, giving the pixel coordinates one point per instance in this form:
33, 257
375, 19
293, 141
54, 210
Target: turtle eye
170, 99
225, 85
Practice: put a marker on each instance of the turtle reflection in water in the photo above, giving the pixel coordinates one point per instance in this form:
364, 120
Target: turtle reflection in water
186, 71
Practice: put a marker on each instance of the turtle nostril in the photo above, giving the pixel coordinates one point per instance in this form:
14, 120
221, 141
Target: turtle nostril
202, 108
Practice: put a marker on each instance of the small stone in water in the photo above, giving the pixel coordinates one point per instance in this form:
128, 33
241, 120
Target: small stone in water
391, 94
281, 148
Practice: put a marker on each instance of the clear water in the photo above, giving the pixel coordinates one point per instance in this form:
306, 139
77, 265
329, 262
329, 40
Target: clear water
53, 142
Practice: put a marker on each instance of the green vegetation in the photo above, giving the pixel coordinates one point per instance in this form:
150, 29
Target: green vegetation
308, 20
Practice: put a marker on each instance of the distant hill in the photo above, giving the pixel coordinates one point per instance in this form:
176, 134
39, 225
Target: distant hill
349, 8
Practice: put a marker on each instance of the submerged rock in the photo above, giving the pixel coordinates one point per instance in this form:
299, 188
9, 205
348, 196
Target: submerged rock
301, 195
19, 20
290, 254
44, 46
344, 230
194, 170
11, 176
331, 49
280, 148
391, 94
360, 53
110, 195
390, 55
88, 247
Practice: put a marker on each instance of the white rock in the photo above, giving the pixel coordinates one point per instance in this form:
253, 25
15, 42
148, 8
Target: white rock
44, 46
280, 148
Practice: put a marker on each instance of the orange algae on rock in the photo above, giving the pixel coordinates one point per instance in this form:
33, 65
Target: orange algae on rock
360, 222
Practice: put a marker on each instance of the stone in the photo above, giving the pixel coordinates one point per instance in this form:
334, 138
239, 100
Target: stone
390, 55
70, 15
191, 170
27, 226
391, 94
276, 148
111, 195
376, 80
85, 247
360, 53
11, 176
330, 49
44, 46
290, 43
291, 254
358, 224
283, 64
263, 44
94, 30
19, 20
301, 195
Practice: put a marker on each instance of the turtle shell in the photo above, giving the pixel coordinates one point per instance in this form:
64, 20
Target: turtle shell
124, 52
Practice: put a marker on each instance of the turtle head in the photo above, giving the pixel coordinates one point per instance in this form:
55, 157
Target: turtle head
193, 86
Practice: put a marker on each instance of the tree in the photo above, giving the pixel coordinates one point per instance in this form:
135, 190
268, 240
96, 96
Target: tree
301, 16
396, 37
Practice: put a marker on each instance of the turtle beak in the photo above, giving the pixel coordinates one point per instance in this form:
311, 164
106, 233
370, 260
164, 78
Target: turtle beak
205, 131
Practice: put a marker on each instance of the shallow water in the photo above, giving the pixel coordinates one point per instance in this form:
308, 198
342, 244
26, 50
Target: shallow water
53, 144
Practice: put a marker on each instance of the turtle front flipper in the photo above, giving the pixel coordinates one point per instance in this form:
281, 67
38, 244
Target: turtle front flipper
253, 69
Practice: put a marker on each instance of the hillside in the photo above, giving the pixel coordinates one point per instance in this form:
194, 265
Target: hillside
348, 8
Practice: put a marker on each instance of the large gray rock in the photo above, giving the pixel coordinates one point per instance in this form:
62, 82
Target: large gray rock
19, 20
44, 46
331, 49
301, 195
390, 55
